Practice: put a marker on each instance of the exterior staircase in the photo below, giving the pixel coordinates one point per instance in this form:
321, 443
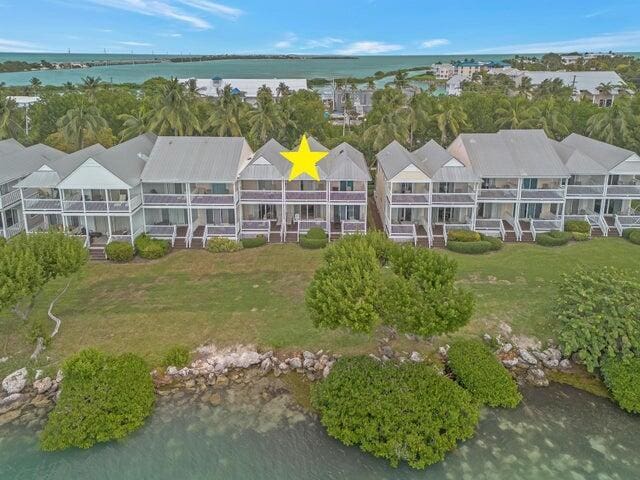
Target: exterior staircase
97, 253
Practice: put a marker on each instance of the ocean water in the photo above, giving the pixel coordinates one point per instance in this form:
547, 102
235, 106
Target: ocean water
556, 433
246, 68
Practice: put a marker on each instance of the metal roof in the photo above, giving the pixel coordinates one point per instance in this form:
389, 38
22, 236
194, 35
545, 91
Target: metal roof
277, 168
127, 160
513, 153
581, 81
442, 166
23, 162
9, 146
248, 86
394, 158
195, 159
344, 162
576, 162
607, 155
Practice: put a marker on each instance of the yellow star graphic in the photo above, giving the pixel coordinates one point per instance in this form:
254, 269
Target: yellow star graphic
304, 160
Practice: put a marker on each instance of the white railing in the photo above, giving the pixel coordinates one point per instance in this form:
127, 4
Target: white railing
585, 190
410, 198
188, 236
498, 193
165, 198
305, 225
259, 195
10, 198
581, 218
429, 231
542, 194
623, 190
39, 204
534, 232
212, 199
306, 195
491, 225
163, 232
349, 196
225, 231
403, 232
453, 198
349, 227
541, 225
623, 222
13, 230
453, 226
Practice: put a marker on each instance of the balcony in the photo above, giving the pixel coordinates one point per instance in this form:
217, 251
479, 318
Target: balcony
9, 198
453, 198
261, 195
165, 199
585, 190
306, 195
548, 194
76, 205
410, 198
343, 196
42, 204
504, 194
204, 199
624, 191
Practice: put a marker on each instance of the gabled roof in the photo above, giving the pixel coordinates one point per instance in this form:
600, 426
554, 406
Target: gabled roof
607, 155
344, 162
25, 161
267, 163
196, 159
576, 162
128, 159
586, 81
442, 166
394, 158
512, 153
9, 146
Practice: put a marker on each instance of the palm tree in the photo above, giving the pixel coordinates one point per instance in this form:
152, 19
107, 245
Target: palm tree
193, 88
526, 87
91, 85
283, 90
516, 113
34, 85
401, 80
174, 111
134, 125
605, 88
10, 126
227, 114
69, 87
265, 121
392, 126
451, 119
553, 120
614, 125
371, 85
79, 122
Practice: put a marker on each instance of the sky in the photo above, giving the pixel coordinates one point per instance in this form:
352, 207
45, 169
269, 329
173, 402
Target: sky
354, 27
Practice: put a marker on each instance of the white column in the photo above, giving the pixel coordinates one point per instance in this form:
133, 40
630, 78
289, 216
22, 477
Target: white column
24, 214
4, 223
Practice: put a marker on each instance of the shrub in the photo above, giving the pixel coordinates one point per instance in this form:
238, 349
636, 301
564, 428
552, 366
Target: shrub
478, 370
554, 238
629, 231
623, 381
312, 243
177, 356
103, 398
463, 236
474, 248
580, 237
316, 233
406, 412
634, 237
151, 248
254, 242
496, 243
578, 226
599, 315
223, 245
119, 251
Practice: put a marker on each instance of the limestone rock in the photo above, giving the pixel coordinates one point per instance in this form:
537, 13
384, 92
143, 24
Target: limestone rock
510, 362
415, 357
12, 402
295, 363
42, 385
15, 382
537, 378
565, 364
527, 357
506, 348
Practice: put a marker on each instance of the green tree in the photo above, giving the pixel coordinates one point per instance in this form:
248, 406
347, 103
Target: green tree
525, 88
451, 119
265, 120
35, 84
10, 124
516, 113
553, 118
228, 114
174, 111
401, 80
91, 85
79, 122
283, 90
136, 124
616, 125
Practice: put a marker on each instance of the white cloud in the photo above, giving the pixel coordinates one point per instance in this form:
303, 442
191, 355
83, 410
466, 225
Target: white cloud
435, 42
287, 41
155, 8
7, 45
325, 42
596, 14
170, 35
136, 44
369, 47
603, 42
215, 8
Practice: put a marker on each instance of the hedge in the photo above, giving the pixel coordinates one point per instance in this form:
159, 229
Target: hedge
634, 237
407, 412
629, 231
579, 226
553, 238
103, 398
316, 233
622, 378
119, 251
151, 248
223, 245
312, 243
496, 243
473, 248
477, 369
463, 236
580, 237
254, 242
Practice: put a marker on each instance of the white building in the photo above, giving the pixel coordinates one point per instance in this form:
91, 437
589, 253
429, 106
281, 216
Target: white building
443, 71
245, 87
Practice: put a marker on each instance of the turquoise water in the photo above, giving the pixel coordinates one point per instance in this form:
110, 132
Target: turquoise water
257, 68
557, 433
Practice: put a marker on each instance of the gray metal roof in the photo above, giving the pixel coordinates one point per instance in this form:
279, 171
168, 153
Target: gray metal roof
23, 162
277, 170
607, 155
513, 153
394, 158
576, 162
585, 81
195, 159
344, 162
9, 146
435, 158
128, 159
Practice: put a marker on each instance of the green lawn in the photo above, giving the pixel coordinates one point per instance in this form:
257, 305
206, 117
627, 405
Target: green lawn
257, 296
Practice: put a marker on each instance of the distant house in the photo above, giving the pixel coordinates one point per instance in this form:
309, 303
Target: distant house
24, 101
247, 88
468, 67
362, 100
586, 84
443, 71
454, 84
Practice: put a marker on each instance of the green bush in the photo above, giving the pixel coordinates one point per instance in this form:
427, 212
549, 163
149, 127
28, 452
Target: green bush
406, 412
463, 236
473, 248
254, 242
312, 243
316, 233
496, 243
634, 237
578, 226
599, 314
151, 248
223, 245
119, 251
554, 238
580, 237
629, 231
623, 381
177, 356
477, 369
103, 398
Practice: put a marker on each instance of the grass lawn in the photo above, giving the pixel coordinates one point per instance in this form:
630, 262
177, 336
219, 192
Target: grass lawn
257, 296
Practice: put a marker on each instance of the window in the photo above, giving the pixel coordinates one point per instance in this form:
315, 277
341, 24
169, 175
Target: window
530, 183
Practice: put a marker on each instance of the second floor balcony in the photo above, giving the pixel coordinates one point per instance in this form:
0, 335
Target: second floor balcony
41, 200
9, 198
100, 201
197, 194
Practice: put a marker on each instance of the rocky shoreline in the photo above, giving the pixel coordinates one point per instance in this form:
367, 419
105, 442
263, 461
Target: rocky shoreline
216, 372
